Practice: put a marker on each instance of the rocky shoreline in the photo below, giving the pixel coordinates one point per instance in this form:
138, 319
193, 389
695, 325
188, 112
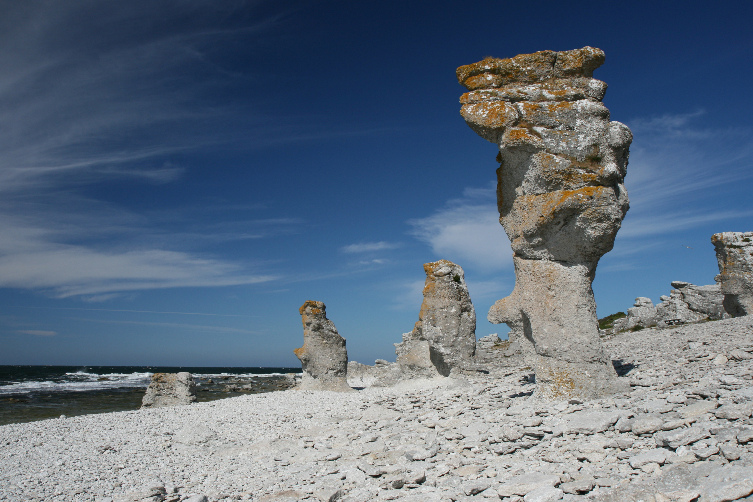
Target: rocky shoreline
683, 432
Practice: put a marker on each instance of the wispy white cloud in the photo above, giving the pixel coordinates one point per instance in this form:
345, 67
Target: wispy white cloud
131, 311
369, 247
679, 125
407, 295
467, 231
112, 100
37, 332
76, 270
77, 253
649, 225
489, 289
678, 172
181, 326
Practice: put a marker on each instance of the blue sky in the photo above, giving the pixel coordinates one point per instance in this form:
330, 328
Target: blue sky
177, 178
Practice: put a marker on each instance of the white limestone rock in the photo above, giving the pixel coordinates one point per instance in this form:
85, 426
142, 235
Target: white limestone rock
734, 252
561, 199
444, 338
324, 357
169, 389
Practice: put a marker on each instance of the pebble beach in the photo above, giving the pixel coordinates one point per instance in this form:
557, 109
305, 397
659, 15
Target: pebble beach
683, 433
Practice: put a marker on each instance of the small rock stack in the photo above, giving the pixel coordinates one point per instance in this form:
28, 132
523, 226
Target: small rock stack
444, 338
734, 252
561, 200
686, 303
323, 357
169, 389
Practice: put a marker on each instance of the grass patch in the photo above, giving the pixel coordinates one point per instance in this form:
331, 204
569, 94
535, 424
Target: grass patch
608, 321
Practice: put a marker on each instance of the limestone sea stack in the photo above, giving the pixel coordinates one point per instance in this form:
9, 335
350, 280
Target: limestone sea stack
324, 358
561, 200
734, 252
169, 389
444, 338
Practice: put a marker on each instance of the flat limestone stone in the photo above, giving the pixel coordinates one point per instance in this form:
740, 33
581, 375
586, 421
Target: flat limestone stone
590, 422
525, 483
697, 409
657, 456
680, 437
727, 483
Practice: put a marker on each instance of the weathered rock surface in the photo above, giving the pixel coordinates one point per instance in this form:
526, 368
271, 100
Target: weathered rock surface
478, 437
444, 338
169, 389
642, 313
734, 252
323, 357
686, 303
441, 342
561, 199
495, 355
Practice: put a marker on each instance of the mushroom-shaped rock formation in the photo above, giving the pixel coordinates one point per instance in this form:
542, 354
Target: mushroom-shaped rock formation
169, 389
324, 358
561, 200
734, 252
445, 335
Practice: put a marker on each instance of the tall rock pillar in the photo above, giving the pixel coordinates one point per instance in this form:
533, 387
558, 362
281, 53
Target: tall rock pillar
734, 252
323, 357
561, 200
444, 338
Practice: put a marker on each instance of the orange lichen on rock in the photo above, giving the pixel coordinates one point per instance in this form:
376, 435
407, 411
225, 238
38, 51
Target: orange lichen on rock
529, 68
734, 252
445, 331
324, 358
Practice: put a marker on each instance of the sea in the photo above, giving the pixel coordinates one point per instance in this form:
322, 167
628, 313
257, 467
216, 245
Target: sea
29, 393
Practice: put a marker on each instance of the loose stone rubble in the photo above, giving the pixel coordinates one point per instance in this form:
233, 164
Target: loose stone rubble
561, 199
687, 303
683, 432
734, 252
323, 357
444, 338
169, 389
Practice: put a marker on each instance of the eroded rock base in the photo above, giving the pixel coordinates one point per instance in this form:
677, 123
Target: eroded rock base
552, 304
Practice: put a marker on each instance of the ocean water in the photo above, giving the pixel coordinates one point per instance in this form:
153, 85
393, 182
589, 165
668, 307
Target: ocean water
30, 393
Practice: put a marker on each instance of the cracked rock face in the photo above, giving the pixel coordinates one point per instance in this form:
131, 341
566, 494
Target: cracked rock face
169, 389
323, 357
734, 252
445, 335
561, 200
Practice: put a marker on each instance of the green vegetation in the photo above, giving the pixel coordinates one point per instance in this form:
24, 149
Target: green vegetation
456, 278
636, 328
608, 321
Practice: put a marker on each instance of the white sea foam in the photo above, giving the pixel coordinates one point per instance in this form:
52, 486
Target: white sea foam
82, 381
79, 382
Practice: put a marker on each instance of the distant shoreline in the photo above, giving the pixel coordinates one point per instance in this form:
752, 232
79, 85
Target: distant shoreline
29, 393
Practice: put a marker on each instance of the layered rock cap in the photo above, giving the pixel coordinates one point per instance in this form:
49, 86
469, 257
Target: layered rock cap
324, 357
561, 200
734, 252
444, 338
169, 389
